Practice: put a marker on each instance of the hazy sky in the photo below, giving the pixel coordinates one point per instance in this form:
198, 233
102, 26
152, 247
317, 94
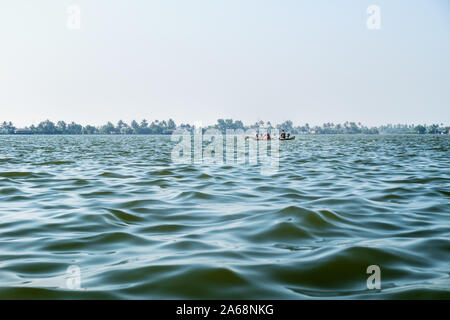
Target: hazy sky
199, 60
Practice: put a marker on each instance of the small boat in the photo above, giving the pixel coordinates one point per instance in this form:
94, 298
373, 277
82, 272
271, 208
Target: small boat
254, 138
290, 138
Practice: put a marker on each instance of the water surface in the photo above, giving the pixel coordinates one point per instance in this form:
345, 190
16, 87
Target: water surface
139, 226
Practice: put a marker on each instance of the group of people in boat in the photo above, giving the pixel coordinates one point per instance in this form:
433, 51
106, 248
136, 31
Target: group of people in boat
266, 135
263, 136
284, 135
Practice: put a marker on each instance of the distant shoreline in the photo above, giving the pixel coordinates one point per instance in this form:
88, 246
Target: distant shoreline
168, 127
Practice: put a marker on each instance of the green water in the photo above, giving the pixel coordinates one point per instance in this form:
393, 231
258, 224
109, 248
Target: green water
139, 226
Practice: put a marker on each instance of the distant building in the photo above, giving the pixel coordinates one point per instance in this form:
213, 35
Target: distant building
23, 131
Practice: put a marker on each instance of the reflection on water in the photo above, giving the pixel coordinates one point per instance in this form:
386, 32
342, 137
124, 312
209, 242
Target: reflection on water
139, 226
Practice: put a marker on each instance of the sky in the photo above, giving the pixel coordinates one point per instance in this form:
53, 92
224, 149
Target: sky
199, 60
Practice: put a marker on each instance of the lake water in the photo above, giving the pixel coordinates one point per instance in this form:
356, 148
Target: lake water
115, 215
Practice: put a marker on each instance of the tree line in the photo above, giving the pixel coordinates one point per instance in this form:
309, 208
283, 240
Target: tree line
167, 127
61, 127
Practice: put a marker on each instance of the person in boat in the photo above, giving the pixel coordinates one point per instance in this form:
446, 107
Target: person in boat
288, 135
266, 136
283, 134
